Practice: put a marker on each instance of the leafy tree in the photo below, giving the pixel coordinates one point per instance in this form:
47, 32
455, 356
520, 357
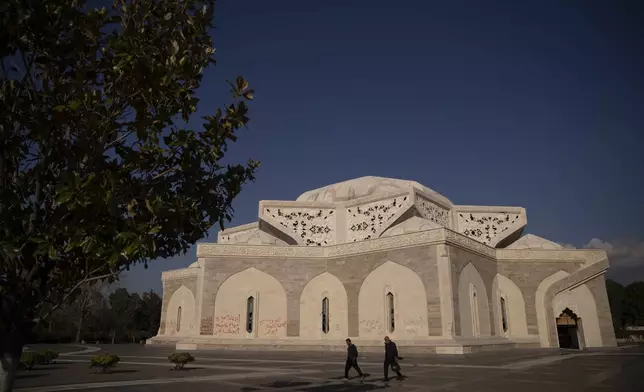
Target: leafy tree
85, 303
148, 315
99, 321
616, 295
124, 306
99, 169
634, 304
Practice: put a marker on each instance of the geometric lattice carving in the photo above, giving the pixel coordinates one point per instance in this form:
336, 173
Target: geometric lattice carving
313, 225
432, 212
484, 226
365, 221
206, 326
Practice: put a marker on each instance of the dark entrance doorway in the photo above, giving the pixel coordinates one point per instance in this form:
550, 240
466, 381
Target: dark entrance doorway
567, 330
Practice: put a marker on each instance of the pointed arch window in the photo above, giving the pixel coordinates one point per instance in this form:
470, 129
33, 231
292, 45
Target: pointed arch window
325, 315
504, 315
179, 319
475, 312
250, 305
391, 312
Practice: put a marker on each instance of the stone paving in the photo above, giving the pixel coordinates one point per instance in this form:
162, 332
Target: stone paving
146, 369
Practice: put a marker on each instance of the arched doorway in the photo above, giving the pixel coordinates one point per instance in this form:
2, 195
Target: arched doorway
568, 329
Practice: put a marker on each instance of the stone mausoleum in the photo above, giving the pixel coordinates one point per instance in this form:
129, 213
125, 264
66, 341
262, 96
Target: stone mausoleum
376, 256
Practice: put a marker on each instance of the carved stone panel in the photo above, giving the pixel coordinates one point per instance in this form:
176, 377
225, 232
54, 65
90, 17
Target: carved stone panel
206, 326
252, 236
367, 221
484, 226
432, 212
313, 226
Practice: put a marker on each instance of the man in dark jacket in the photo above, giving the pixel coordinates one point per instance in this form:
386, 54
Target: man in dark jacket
352, 360
391, 359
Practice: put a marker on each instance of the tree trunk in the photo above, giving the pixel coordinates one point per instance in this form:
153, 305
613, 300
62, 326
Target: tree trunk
113, 335
80, 327
10, 352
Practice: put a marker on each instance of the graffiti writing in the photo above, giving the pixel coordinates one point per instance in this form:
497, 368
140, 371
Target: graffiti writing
414, 322
412, 325
271, 326
227, 324
371, 325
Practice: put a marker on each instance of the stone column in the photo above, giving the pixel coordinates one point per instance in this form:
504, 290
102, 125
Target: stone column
164, 309
445, 290
598, 287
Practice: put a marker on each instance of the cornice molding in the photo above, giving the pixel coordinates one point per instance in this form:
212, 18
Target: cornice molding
180, 273
573, 255
433, 236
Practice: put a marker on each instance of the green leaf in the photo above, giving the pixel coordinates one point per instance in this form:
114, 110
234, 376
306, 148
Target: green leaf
130, 207
89, 180
73, 105
124, 236
242, 84
64, 196
87, 244
51, 252
71, 245
149, 206
132, 248
59, 108
111, 261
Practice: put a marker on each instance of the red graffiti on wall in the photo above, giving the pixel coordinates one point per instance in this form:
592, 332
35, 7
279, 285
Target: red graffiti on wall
271, 326
227, 324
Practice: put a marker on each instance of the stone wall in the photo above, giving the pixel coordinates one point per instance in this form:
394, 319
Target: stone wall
294, 274
485, 267
527, 275
169, 287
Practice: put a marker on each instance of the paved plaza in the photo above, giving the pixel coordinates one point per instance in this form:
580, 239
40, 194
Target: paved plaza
146, 369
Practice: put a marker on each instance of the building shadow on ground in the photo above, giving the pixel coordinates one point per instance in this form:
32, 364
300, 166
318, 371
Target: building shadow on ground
332, 385
55, 367
117, 371
23, 376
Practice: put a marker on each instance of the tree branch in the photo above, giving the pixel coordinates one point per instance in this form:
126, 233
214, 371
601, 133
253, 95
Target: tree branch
38, 320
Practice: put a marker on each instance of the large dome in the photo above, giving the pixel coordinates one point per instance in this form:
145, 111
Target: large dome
364, 186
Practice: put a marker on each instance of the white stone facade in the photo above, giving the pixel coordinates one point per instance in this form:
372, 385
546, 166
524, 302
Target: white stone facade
374, 256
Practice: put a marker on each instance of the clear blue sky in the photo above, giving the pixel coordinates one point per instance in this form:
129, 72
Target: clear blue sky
532, 104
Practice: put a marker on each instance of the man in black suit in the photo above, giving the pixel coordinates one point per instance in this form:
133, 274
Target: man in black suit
391, 359
352, 360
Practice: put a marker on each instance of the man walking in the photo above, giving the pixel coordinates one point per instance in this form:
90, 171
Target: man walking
391, 359
352, 360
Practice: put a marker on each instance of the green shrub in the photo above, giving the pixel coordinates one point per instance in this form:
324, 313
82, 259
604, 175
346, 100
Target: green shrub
48, 356
104, 361
29, 359
181, 359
